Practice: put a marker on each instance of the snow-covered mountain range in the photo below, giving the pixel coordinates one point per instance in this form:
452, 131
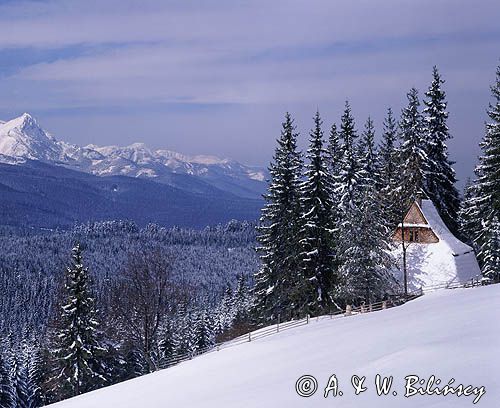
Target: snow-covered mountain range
22, 139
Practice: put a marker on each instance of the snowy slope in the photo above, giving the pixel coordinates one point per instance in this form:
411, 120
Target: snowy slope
450, 334
22, 138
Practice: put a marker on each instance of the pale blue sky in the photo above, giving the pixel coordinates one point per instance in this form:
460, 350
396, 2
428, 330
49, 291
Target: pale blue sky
216, 77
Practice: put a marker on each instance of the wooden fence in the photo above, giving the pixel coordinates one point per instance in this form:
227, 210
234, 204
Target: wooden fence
392, 301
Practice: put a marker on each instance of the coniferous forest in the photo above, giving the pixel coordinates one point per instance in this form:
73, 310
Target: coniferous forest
327, 227
104, 302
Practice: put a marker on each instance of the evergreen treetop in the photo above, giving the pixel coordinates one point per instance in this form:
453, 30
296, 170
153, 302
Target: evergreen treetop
440, 178
413, 150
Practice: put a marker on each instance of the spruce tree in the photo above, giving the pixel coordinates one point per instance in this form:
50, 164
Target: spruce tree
349, 179
489, 251
366, 262
204, 335
482, 206
242, 300
347, 192
31, 360
469, 222
388, 165
413, 166
6, 389
440, 178
333, 160
181, 332
77, 352
278, 230
227, 310
366, 267
369, 172
34, 374
19, 379
166, 344
334, 152
319, 272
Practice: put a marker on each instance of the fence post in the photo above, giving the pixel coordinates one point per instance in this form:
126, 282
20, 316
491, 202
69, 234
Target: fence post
363, 308
249, 336
370, 308
218, 347
348, 310
278, 325
384, 304
307, 321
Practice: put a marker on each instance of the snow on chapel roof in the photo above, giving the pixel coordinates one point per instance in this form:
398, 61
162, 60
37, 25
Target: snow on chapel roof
437, 225
437, 263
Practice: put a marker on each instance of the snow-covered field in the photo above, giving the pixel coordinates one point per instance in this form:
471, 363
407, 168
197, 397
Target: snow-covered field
449, 334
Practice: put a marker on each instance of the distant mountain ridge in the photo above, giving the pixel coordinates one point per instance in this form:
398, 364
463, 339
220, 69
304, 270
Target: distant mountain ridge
23, 139
41, 195
49, 183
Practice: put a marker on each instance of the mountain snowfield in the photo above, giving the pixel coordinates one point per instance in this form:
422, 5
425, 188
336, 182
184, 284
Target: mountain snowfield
23, 139
451, 334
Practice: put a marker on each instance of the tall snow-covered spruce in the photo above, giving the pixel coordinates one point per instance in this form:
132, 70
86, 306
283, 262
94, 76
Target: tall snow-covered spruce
333, 160
481, 210
366, 263
318, 273
278, 230
440, 178
413, 166
389, 169
78, 362
347, 192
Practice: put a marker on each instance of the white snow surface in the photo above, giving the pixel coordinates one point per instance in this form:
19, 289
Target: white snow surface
447, 261
449, 334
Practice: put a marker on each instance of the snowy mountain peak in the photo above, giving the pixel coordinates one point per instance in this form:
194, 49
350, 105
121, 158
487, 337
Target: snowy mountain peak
25, 118
21, 123
23, 138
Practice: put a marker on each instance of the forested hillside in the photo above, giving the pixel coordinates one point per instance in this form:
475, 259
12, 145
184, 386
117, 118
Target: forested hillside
38, 194
32, 263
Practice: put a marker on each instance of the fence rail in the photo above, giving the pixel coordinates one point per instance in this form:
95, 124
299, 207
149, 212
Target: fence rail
392, 301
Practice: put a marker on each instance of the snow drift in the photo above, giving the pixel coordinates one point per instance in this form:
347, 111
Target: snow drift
452, 334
